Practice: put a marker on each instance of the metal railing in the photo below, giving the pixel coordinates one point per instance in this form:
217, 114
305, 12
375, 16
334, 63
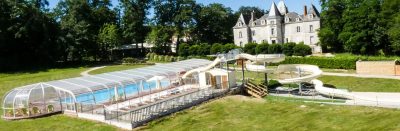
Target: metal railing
146, 113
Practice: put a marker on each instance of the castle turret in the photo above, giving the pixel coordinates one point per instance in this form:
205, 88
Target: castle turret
275, 25
282, 7
241, 32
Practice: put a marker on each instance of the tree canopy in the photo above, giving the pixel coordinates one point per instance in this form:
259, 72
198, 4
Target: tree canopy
360, 26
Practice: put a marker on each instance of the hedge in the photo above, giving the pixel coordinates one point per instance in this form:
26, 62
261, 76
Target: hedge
322, 62
134, 61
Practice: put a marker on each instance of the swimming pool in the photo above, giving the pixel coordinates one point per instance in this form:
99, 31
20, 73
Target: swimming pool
105, 95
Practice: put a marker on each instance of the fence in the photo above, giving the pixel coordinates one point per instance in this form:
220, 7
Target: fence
149, 112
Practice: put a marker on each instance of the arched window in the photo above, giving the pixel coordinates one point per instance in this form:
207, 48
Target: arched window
240, 34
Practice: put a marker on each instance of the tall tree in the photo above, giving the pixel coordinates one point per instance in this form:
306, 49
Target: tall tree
331, 24
108, 39
361, 31
27, 34
391, 18
176, 13
214, 24
160, 37
134, 20
80, 23
247, 10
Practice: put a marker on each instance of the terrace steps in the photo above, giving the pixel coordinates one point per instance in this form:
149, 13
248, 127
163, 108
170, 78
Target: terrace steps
256, 90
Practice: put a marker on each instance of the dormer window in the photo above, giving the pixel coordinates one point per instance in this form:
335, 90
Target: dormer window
297, 19
263, 22
287, 20
240, 24
310, 16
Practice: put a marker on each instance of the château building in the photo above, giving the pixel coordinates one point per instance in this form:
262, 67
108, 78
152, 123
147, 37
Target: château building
280, 26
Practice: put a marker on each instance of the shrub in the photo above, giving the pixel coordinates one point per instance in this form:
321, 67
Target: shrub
148, 55
262, 48
301, 50
194, 49
323, 62
165, 58
204, 49
287, 48
250, 48
275, 49
130, 60
155, 57
180, 58
272, 84
228, 47
173, 59
184, 49
160, 58
216, 48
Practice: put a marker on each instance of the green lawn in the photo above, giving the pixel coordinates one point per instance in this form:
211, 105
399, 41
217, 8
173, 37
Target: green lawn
363, 84
235, 113
56, 122
115, 68
228, 113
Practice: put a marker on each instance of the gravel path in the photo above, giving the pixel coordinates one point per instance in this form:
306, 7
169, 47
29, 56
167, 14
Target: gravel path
86, 73
361, 75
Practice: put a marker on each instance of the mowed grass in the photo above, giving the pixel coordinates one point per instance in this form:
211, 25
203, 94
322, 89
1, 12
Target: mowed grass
238, 114
115, 68
363, 84
224, 114
9, 81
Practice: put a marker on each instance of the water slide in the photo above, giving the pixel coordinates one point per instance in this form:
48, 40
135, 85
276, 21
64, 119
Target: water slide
313, 72
307, 73
257, 61
217, 61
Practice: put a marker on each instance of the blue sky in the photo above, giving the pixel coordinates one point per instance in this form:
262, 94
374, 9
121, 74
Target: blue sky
293, 5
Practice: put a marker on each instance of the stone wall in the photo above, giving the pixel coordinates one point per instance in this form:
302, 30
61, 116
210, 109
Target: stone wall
378, 67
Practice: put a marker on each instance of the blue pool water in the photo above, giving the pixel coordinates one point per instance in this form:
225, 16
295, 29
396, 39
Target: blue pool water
106, 94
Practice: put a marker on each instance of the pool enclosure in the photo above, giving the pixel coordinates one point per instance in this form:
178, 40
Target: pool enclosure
85, 93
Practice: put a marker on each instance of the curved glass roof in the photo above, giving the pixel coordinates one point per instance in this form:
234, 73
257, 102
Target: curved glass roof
87, 84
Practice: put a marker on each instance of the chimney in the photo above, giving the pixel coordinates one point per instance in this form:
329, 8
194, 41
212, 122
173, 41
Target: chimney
252, 15
305, 10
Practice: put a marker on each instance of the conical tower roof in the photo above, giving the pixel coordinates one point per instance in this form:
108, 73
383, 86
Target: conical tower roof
273, 11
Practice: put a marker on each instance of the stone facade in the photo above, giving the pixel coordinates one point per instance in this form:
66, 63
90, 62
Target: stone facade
280, 26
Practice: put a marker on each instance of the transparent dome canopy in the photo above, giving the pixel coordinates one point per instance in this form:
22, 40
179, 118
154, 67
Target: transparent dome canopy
74, 94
